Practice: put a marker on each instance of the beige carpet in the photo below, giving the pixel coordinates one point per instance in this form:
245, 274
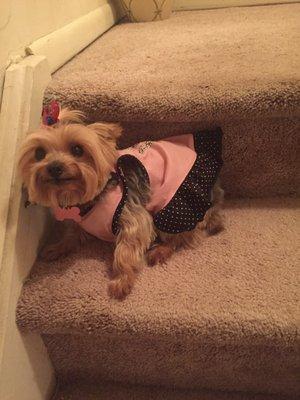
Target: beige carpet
235, 67
113, 391
224, 316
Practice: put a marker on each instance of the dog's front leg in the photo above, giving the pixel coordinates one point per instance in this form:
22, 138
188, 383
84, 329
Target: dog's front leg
134, 238
213, 221
70, 238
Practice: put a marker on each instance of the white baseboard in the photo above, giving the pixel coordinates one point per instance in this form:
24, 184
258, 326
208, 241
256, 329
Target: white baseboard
25, 370
63, 44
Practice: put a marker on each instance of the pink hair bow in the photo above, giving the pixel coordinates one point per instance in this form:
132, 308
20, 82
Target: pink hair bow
50, 113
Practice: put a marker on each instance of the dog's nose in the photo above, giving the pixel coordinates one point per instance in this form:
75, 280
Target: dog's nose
55, 169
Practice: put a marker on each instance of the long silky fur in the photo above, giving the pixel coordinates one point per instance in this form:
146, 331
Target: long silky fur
135, 237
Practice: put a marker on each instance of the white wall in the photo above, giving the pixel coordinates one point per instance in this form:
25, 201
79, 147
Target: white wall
23, 21
25, 371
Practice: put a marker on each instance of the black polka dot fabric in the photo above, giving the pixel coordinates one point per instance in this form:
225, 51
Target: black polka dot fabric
193, 197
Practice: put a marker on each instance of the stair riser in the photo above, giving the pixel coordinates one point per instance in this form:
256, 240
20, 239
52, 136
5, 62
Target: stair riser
260, 156
185, 364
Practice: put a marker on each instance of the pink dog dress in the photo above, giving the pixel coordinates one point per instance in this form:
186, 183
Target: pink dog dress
181, 172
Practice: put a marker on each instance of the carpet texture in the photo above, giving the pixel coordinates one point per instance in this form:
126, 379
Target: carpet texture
234, 67
223, 316
113, 391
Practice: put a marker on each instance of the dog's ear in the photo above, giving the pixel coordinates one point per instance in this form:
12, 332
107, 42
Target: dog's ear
106, 130
67, 116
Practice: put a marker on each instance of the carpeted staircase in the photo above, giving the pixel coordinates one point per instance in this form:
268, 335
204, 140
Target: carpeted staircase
220, 321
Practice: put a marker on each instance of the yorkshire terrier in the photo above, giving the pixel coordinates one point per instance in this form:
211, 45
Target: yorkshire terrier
150, 199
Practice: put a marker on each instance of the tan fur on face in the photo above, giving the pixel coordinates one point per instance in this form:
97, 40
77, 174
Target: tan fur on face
88, 174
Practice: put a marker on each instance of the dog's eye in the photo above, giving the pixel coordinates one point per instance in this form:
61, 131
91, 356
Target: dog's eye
77, 150
40, 153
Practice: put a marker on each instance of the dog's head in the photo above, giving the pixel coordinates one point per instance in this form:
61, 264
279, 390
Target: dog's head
69, 162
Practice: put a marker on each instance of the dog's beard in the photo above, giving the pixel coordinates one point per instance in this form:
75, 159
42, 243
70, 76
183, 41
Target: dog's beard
81, 186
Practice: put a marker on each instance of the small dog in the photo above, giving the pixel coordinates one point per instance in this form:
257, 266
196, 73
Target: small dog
150, 199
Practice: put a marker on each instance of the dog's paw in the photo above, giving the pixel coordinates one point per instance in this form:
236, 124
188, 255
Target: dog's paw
214, 224
159, 255
53, 252
120, 287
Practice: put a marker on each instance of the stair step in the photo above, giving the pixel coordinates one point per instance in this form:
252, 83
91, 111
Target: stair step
207, 65
233, 67
222, 316
114, 391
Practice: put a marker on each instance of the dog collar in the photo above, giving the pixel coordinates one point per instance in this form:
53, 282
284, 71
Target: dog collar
78, 211
75, 213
